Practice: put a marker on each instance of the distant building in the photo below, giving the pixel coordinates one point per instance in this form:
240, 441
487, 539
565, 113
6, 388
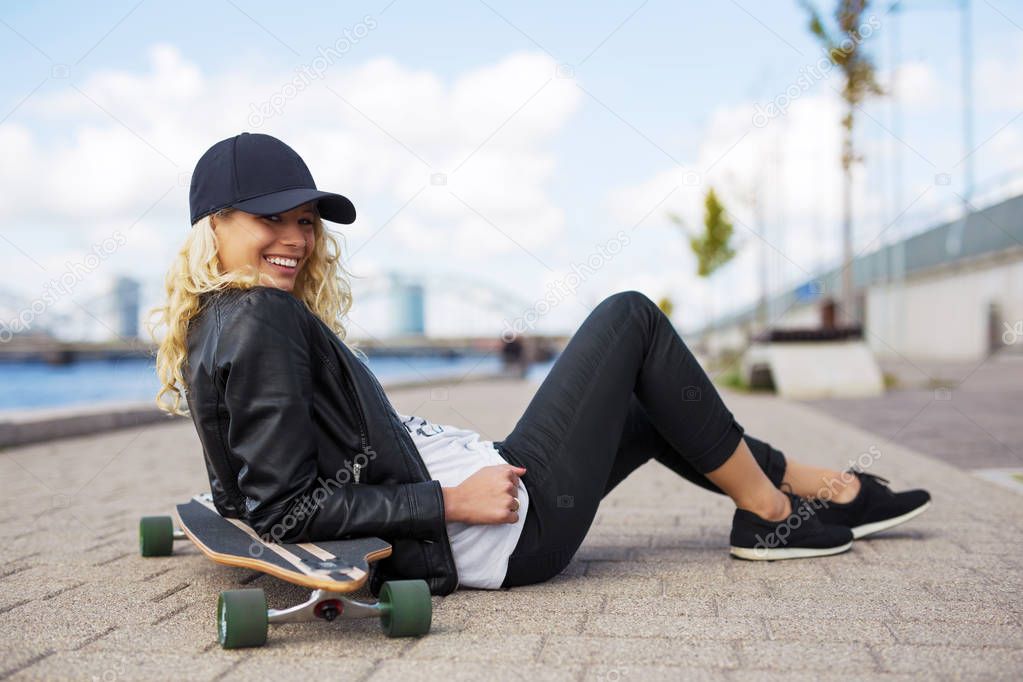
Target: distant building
126, 307
408, 301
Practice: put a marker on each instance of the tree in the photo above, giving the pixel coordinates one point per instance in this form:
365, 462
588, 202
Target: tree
666, 306
713, 247
860, 83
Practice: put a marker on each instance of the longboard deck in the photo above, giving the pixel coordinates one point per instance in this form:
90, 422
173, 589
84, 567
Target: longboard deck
336, 565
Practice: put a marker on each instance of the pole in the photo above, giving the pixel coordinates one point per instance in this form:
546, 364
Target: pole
954, 241
966, 44
898, 250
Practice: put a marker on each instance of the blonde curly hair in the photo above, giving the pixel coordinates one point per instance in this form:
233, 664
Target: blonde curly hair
323, 285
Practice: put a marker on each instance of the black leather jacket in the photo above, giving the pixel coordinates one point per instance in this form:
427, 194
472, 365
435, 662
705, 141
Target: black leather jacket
300, 440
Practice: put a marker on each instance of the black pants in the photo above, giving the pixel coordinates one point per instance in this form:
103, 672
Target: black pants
625, 389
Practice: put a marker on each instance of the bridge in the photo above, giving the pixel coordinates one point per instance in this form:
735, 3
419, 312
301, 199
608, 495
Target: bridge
106, 326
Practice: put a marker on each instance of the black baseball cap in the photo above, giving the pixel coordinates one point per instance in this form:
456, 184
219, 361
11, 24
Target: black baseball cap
259, 174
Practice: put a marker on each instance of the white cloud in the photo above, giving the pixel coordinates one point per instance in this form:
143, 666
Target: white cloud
919, 87
997, 82
791, 164
130, 138
490, 130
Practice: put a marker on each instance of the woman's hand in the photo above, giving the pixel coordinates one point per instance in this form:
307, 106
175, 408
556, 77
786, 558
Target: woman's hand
488, 496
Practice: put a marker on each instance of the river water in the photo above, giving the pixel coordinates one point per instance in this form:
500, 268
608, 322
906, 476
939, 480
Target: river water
39, 385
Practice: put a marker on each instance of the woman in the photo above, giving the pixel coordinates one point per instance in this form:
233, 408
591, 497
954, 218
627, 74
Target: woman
301, 442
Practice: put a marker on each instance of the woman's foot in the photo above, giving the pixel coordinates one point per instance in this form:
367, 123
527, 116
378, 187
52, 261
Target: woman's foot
796, 533
875, 508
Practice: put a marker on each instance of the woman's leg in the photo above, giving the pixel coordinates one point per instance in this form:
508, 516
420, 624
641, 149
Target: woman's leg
641, 441
820, 483
569, 435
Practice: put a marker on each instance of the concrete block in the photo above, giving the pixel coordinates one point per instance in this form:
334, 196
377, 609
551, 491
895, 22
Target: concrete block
823, 369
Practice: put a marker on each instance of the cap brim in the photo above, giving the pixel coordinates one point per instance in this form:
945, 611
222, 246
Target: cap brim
332, 207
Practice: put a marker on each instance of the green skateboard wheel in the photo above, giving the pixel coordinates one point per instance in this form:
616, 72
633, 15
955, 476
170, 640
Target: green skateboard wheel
406, 608
241, 618
156, 536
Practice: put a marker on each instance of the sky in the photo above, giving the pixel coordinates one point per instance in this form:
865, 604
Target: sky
535, 151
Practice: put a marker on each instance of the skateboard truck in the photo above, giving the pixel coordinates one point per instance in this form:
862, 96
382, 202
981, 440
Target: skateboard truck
243, 618
326, 605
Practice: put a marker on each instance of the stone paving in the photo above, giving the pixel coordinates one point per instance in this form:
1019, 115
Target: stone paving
967, 414
652, 594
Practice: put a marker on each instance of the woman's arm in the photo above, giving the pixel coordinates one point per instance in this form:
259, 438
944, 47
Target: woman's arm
266, 371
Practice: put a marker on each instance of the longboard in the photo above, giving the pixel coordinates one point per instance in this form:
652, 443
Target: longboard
332, 569
336, 565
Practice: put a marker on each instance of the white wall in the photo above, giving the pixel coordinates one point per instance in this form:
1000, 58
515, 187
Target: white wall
939, 316
944, 316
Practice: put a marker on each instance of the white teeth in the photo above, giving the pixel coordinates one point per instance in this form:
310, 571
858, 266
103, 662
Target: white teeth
286, 262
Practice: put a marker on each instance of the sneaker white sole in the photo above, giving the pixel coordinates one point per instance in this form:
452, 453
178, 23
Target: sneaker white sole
775, 553
878, 526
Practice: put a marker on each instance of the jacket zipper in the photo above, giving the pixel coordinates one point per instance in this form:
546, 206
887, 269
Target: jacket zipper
356, 467
365, 447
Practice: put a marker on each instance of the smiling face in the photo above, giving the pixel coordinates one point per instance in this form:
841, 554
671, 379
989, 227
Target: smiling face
277, 245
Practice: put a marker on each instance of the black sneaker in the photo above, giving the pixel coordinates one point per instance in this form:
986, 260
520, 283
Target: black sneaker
875, 508
798, 536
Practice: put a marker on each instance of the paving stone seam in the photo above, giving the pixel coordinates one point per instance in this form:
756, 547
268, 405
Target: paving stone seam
112, 559
57, 593
15, 605
93, 638
170, 614
538, 655
27, 664
878, 663
226, 671
101, 545
16, 571
170, 592
748, 662
151, 576
583, 622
